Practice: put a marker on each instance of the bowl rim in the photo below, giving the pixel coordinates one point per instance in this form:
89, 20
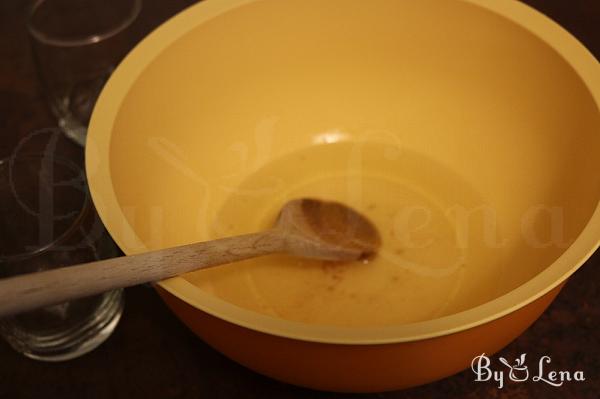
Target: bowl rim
100, 182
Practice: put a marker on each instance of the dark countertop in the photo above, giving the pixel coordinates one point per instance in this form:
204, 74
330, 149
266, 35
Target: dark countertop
152, 355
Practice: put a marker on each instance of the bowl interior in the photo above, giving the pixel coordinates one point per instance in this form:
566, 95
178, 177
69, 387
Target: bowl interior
470, 141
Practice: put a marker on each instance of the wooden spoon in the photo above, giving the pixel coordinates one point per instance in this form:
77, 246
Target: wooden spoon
307, 228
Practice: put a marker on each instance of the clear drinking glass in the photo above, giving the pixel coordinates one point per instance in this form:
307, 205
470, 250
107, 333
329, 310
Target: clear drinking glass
76, 45
48, 221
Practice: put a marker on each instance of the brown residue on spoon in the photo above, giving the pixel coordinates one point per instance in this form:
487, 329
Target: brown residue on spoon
339, 225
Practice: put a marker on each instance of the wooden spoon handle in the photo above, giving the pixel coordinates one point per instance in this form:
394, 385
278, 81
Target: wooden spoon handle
31, 291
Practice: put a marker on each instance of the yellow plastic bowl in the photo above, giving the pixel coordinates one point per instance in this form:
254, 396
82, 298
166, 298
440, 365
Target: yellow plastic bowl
489, 90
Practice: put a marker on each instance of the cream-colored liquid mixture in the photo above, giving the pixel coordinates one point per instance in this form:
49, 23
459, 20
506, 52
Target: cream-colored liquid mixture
433, 259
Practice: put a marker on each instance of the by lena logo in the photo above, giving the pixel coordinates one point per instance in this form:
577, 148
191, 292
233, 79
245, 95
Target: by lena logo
519, 372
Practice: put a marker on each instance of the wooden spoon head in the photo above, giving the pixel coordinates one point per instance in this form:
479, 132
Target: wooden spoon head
327, 230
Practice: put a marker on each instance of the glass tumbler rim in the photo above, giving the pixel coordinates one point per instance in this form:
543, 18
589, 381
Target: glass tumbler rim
81, 215
56, 40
